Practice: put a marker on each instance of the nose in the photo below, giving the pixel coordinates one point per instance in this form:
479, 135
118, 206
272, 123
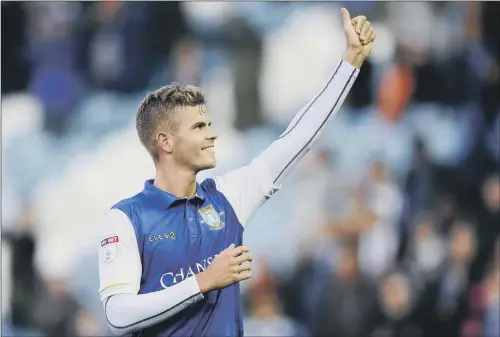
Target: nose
211, 134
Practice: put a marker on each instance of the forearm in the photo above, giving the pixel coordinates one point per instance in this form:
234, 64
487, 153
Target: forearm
126, 313
308, 124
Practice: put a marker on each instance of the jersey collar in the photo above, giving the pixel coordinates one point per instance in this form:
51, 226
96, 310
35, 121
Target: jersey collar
166, 199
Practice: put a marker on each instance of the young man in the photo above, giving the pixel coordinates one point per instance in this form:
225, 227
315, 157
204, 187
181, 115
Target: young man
170, 257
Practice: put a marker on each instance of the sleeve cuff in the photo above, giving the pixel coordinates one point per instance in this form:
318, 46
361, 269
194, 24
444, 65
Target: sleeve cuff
346, 69
192, 286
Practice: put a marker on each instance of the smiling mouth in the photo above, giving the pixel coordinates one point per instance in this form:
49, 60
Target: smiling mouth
209, 148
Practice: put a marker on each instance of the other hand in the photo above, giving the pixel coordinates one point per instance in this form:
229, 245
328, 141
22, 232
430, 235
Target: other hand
231, 266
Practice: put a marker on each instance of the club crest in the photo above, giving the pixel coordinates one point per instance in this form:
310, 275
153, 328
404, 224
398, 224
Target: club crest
211, 218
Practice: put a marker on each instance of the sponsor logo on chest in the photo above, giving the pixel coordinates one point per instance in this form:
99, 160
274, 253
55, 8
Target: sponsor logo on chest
165, 236
171, 278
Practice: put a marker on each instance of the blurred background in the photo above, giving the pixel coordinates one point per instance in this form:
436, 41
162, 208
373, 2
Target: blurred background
389, 227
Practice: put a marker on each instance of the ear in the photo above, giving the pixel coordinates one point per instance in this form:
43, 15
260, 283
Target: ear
165, 142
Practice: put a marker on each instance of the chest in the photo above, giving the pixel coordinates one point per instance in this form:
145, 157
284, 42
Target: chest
188, 224
184, 240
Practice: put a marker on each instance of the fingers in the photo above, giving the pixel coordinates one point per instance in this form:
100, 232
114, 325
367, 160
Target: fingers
243, 258
239, 250
360, 21
231, 246
241, 270
242, 267
369, 36
354, 21
372, 36
364, 30
244, 275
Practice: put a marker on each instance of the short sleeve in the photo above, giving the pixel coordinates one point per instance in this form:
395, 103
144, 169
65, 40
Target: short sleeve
120, 266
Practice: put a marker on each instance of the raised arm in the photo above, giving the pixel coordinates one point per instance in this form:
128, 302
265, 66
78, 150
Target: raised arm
247, 188
307, 126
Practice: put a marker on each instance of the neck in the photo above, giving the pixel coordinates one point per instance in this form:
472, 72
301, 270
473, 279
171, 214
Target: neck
176, 181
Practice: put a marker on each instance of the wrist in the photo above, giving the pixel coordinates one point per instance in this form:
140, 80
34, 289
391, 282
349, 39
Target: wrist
354, 57
203, 282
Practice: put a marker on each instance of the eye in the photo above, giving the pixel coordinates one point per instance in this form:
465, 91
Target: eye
199, 126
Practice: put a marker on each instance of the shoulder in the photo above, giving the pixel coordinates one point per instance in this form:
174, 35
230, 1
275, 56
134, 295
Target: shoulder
129, 205
214, 193
116, 225
213, 189
133, 201
209, 185
126, 212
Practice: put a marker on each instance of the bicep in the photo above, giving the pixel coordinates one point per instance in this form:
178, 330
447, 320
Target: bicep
247, 188
120, 266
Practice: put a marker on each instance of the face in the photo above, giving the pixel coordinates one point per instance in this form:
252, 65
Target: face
192, 143
395, 293
462, 244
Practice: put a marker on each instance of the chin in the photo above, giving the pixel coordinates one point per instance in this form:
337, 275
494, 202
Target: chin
212, 163
207, 165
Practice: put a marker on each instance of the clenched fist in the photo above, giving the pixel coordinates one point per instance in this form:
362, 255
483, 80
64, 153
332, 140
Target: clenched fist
231, 266
359, 36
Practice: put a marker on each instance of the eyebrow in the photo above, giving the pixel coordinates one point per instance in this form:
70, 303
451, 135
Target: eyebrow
203, 123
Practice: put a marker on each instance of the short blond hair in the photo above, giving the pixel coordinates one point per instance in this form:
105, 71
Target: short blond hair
156, 109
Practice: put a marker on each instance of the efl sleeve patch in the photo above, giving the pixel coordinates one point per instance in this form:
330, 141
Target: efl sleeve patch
109, 248
110, 240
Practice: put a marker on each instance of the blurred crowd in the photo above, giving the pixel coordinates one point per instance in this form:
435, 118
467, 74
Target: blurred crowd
390, 227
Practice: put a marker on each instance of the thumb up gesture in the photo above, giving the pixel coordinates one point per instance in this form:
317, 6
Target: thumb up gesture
359, 34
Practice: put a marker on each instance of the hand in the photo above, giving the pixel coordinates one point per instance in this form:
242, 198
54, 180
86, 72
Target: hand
366, 34
227, 268
359, 36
